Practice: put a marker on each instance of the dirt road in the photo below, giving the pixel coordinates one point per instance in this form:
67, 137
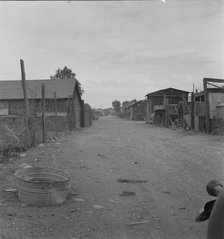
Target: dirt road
174, 164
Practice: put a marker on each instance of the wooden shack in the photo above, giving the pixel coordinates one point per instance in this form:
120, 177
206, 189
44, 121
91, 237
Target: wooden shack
208, 107
131, 109
65, 92
137, 110
125, 111
167, 106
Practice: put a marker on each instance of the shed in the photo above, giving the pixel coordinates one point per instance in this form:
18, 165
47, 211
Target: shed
220, 111
130, 108
137, 110
165, 105
125, 111
67, 94
215, 106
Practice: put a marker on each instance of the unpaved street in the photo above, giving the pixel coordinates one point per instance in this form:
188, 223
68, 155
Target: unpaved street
175, 164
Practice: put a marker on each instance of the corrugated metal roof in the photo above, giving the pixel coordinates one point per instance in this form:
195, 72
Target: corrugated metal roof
13, 89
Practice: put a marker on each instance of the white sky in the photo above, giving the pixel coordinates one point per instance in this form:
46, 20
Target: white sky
119, 50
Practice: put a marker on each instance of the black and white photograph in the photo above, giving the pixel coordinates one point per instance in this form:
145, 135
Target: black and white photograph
112, 119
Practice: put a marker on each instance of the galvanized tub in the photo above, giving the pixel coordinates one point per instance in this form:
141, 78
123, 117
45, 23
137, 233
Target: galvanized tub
42, 186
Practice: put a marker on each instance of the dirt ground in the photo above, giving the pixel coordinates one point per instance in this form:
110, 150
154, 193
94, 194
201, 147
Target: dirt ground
175, 165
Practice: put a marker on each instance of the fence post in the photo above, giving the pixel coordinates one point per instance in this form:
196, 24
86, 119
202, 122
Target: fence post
56, 112
166, 117
207, 114
192, 110
184, 111
27, 143
43, 113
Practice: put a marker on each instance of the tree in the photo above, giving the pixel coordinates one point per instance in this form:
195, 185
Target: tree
117, 106
66, 73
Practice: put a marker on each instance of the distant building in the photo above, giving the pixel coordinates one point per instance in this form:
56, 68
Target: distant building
130, 109
108, 111
166, 106
137, 110
125, 112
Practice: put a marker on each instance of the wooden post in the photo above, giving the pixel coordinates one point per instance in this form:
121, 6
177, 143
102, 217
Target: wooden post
207, 115
150, 107
73, 113
56, 112
192, 110
90, 115
43, 113
166, 118
184, 111
26, 103
146, 111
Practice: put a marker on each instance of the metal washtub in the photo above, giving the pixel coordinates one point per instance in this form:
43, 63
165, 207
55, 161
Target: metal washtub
42, 186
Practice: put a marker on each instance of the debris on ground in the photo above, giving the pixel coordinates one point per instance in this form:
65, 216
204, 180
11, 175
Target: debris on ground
122, 180
12, 151
166, 191
80, 167
52, 138
24, 165
12, 214
101, 155
182, 208
22, 155
40, 145
78, 199
127, 193
138, 223
113, 200
97, 206
10, 190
